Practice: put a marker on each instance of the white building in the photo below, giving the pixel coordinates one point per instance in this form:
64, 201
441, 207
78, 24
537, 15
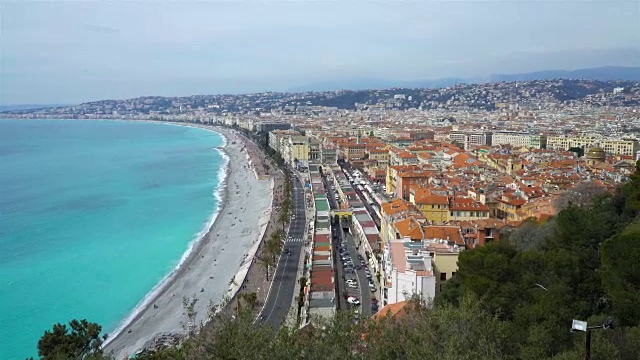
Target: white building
516, 139
408, 270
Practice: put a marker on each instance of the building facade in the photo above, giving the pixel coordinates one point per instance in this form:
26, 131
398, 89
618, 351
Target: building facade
408, 270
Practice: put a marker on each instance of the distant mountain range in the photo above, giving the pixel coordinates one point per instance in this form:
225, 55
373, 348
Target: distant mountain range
599, 73
27, 107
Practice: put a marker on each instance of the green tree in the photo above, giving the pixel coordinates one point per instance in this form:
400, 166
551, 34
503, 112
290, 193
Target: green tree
267, 261
283, 218
273, 246
577, 150
621, 275
80, 340
489, 273
250, 299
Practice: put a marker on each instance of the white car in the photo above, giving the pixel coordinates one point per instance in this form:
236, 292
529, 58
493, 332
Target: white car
353, 300
351, 281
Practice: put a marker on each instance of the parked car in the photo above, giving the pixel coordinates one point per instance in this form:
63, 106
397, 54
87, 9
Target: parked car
353, 300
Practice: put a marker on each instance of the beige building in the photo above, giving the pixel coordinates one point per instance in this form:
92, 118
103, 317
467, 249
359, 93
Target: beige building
296, 151
610, 146
445, 261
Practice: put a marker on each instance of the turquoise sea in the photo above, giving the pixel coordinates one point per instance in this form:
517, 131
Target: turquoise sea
93, 215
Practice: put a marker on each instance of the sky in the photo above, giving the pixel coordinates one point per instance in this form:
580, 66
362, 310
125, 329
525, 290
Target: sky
63, 52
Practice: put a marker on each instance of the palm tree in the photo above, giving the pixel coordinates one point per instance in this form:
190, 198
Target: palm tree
280, 235
273, 246
251, 299
267, 261
284, 217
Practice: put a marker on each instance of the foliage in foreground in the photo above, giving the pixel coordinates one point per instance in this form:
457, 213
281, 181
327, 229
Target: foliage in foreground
80, 340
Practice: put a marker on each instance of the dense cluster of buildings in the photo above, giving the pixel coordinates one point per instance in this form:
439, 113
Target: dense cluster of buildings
441, 194
446, 169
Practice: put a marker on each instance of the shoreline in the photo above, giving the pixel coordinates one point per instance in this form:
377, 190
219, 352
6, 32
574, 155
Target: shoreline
220, 194
135, 332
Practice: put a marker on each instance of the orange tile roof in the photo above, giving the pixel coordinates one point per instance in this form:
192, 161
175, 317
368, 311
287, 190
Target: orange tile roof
444, 232
424, 196
391, 310
396, 206
463, 204
409, 227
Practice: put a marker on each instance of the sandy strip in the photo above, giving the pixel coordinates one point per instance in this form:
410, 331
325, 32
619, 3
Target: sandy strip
208, 272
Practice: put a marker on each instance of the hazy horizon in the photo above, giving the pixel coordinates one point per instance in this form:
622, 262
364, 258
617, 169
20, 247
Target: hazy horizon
71, 52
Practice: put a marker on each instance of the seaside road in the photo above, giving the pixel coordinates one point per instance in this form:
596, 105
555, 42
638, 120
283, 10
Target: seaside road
281, 295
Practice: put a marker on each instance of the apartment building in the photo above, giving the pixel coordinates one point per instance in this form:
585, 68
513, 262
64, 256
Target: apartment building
471, 139
393, 211
434, 207
277, 138
271, 126
408, 270
610, 146
381, 156
520, 139
400, 179
328, 153
445, 260
461, 208
296, 151
314, 151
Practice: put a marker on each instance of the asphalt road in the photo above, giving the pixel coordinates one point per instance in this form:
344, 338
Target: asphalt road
281, 295
362, 292
339, 270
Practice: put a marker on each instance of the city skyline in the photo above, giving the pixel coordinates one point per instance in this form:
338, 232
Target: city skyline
76, 52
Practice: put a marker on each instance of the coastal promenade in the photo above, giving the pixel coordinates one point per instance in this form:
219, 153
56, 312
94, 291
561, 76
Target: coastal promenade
209, 272
282, 294
255, 279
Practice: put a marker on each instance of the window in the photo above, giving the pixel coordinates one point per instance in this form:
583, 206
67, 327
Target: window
472, 214
443, 276
453, 274
452, 213
458, 213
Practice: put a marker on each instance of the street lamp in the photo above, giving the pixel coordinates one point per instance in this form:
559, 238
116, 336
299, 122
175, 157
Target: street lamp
578, 325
